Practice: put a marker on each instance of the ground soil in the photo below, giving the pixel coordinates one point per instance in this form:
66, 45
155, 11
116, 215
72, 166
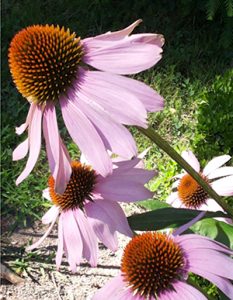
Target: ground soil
42, 280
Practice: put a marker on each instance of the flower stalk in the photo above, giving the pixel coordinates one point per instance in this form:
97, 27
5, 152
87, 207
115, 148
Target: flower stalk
162, 144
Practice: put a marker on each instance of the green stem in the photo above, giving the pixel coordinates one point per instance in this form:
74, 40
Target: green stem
161, 143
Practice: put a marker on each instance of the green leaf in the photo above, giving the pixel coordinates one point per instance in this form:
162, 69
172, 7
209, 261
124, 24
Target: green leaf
166, 218
152, 204
219, 231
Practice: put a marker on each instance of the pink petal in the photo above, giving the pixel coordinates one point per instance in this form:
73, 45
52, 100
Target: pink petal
188, 243
72, 239
123, 191
111, 290
151, 100
204, 258
215, 163
21, 150
105, 39
110, 95
113, 209
103, 225
46, 194
134, 174
144, 153
130, 55
175, 184
174, 200
200, 238
186, 291
212, 205
123, 164
220, 172
50, 215
184, 227
60, 246
121, 142
34, 143
224, 186
90, 245
191, 159
19, 130
223, 284
86, 137
58, 161
37, 244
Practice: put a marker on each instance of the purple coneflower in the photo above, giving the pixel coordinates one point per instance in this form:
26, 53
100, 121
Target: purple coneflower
49, 66
88, 209
191, 195
156, 266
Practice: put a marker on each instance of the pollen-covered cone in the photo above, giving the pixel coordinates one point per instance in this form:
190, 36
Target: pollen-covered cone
190, 194
49, 66
88, 210
156, 266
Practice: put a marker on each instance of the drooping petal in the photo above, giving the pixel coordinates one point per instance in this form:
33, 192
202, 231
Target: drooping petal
224, 186
21, 150
222, 283
37, 244
50, 215
175, 184
111, 290
192, 237
90, 245
34, 143
121, 142
187, 225
138, 175
46, 194
188, 242
186, 291
111, 96
103, 225
59, 162
215, 163
105, 39
19, 130
113, 209
220, 172
84, 134
174, 200
212, 205
120, 56
191, 159
150, 99
203, 259
72, 239
60, 245
123, 191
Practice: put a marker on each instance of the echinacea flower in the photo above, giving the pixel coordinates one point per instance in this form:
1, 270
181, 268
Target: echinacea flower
49, 66
191, 195
88, 209
156, 266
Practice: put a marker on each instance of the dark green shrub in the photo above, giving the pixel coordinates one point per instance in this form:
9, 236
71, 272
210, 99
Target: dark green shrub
215, 118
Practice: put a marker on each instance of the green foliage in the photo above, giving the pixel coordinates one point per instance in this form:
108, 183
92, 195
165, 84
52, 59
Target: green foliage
215, 118
167, 217
217, 230
212, 6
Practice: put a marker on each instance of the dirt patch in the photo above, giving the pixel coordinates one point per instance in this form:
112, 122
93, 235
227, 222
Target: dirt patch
42, 281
